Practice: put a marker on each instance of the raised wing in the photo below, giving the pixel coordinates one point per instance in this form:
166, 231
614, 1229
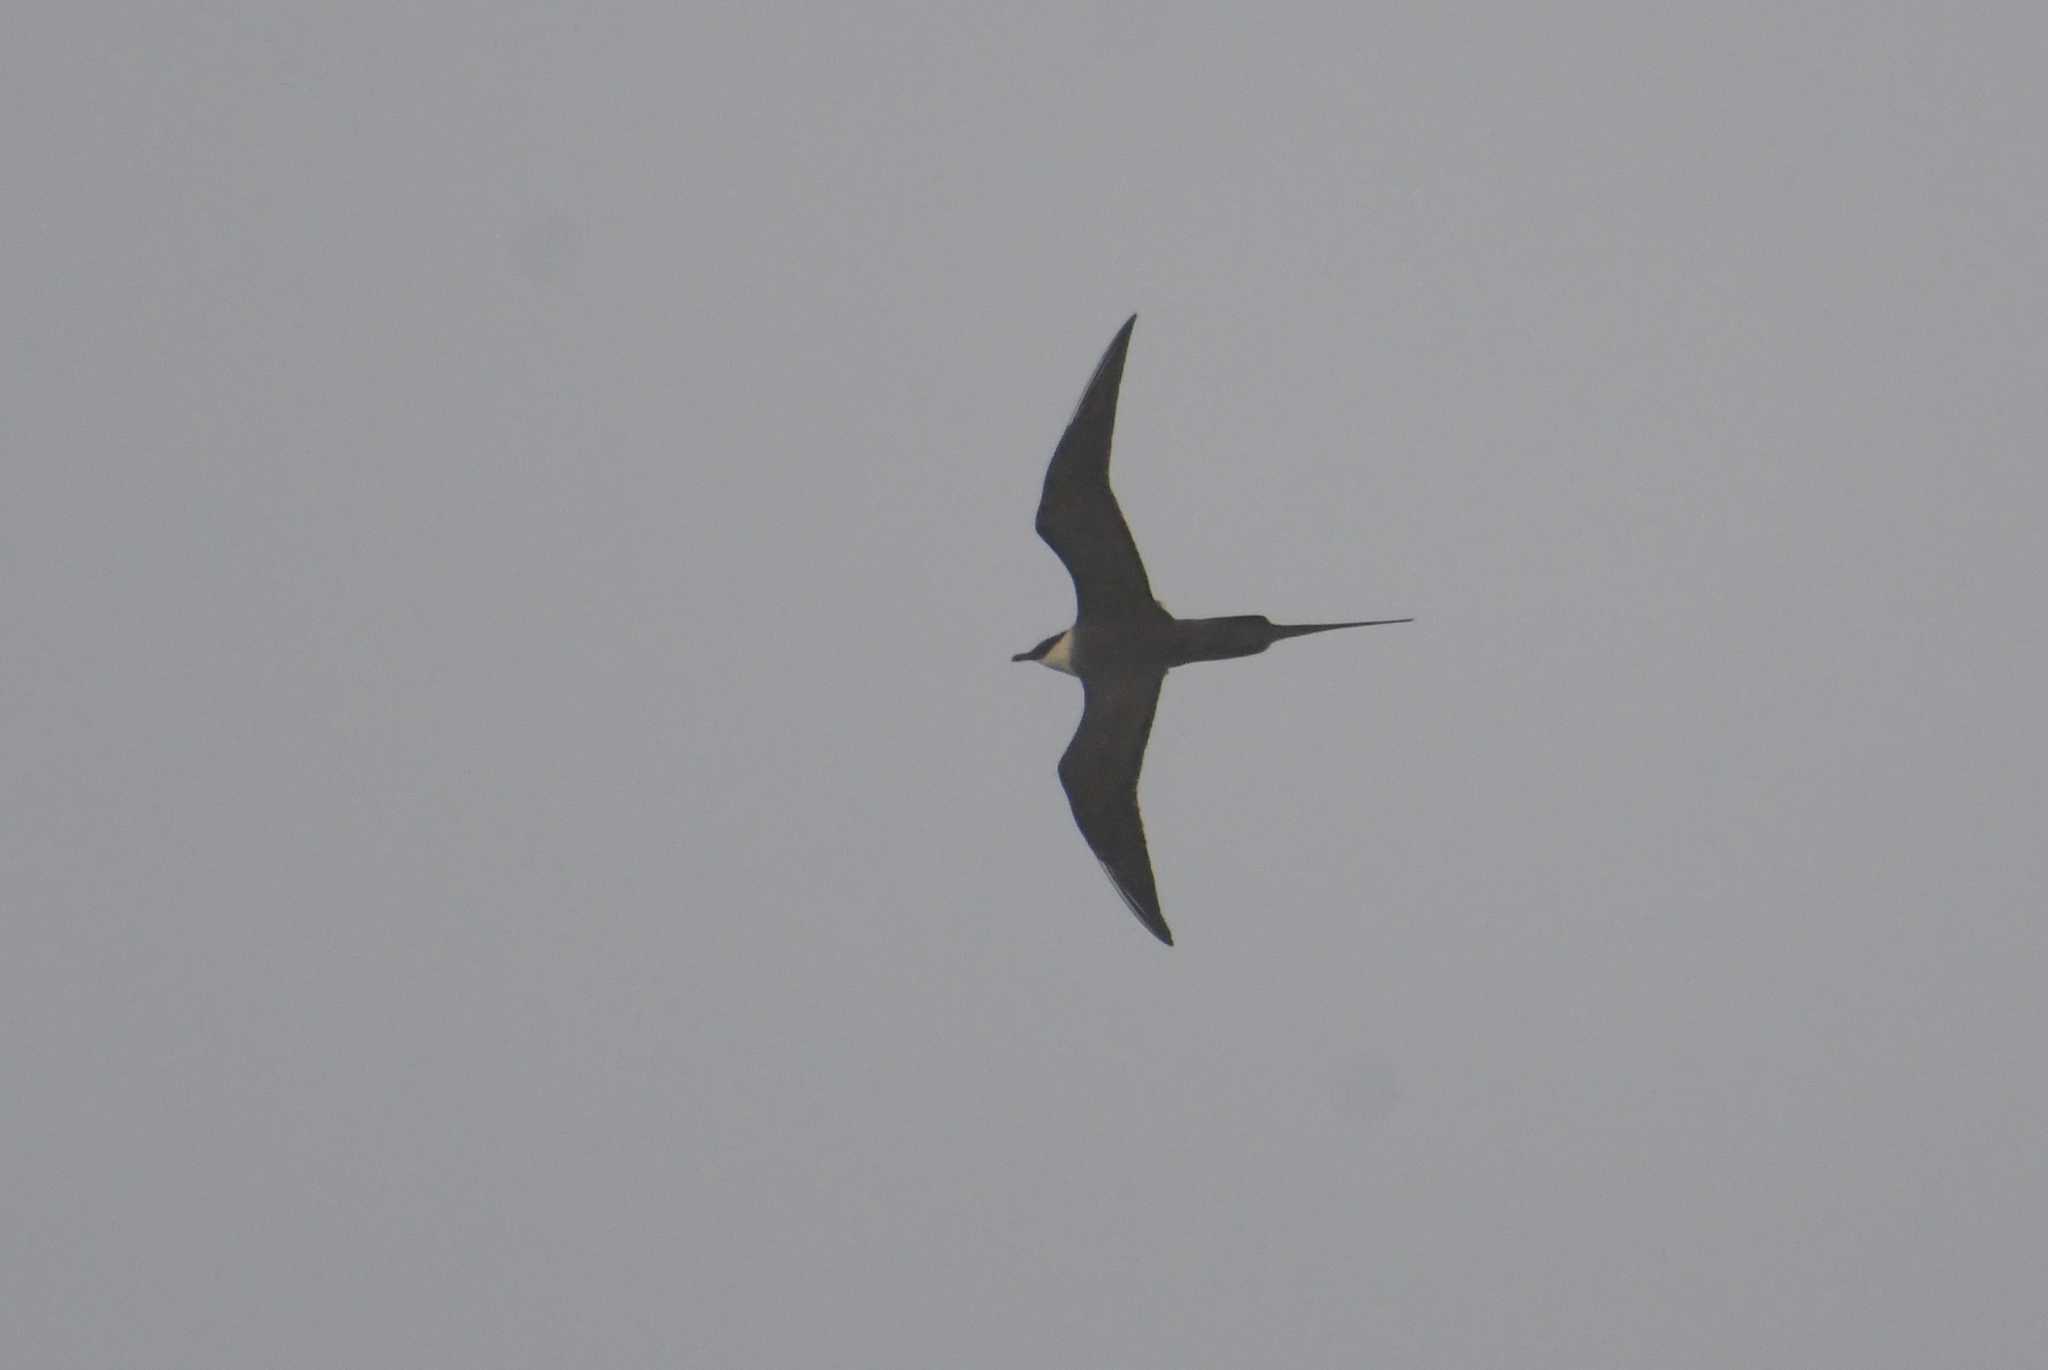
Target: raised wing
1078, 516
1100, 774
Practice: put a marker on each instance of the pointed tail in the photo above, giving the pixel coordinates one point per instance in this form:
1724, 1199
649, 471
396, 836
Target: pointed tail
1281, 630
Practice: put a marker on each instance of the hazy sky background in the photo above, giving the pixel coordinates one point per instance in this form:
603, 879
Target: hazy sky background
522, 845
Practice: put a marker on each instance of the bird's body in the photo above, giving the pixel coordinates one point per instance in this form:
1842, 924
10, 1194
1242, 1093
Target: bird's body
1123, 641
1168, 642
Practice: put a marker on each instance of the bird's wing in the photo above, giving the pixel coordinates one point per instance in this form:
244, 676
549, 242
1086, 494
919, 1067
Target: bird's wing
1100, 774
1077, 513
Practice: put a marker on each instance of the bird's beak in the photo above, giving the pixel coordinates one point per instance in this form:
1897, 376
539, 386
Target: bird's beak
1021, 656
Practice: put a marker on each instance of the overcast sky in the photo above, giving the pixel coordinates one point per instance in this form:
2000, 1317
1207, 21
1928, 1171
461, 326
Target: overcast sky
521, 843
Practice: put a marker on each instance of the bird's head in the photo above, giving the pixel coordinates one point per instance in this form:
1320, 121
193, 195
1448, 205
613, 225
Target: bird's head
1055, 652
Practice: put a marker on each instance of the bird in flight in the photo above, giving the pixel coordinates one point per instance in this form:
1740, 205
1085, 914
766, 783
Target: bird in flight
1123, 641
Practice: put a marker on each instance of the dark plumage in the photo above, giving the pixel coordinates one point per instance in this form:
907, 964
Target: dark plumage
1123, 641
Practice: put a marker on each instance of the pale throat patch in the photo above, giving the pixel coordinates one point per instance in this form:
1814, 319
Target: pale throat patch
1060, 656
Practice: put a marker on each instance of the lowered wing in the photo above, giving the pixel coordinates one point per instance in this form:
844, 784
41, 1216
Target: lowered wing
1100, 774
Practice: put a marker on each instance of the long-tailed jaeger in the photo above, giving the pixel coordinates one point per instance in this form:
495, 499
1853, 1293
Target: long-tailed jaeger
1123, 641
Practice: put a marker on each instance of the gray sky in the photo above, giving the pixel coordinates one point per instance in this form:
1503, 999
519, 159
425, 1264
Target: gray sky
522, 845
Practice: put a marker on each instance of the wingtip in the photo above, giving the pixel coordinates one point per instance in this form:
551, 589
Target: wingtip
1154, 921
1150, 917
